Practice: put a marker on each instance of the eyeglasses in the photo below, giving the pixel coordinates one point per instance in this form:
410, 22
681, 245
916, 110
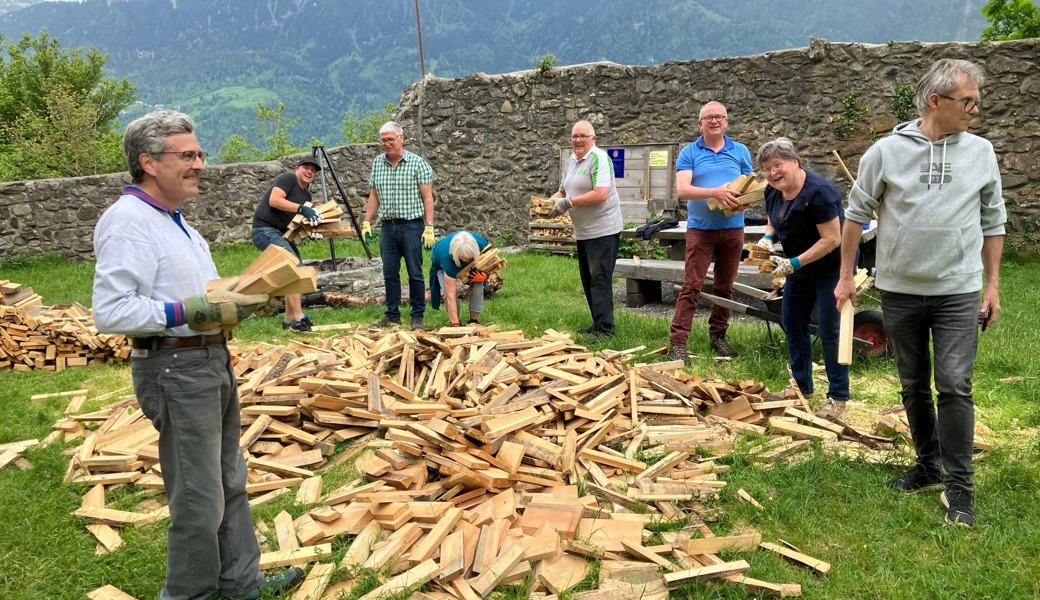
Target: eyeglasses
187, 156
388, 141
969, 103
713, 118
776, 167
580, 137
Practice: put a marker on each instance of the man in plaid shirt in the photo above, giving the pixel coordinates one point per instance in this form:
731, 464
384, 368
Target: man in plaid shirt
401, 185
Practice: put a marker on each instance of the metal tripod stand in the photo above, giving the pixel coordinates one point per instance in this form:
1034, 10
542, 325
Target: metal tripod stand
319, 153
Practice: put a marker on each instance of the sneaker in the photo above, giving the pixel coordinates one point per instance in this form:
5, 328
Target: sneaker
832, 409
473, 322
916, 480
272, 585
792, 392
958, 507
721, 347
385, 322
418, 325
678, 352
587, 330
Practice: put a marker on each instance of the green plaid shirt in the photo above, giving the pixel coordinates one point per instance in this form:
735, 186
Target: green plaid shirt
398, 187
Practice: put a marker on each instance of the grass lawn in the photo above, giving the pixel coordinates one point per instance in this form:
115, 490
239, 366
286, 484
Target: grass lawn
881, 544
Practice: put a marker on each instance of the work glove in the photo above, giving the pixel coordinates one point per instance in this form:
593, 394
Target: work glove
560, 207
366, 232
477, 277
221, 307
312, 216
766, 243
785, 266
456, 324
428, 237
314, 235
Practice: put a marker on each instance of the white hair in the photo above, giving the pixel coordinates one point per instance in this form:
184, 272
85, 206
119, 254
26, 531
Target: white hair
463, 248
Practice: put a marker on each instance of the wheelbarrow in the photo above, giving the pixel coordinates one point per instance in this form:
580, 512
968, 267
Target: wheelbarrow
868, 329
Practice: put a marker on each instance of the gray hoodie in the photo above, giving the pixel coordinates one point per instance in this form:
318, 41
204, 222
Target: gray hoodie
934, 204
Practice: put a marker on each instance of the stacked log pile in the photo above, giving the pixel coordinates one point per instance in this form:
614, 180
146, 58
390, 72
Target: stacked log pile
473, 480
51, 338
554, 234
329, 226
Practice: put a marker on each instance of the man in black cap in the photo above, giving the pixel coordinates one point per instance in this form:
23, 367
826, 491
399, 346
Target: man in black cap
271, 219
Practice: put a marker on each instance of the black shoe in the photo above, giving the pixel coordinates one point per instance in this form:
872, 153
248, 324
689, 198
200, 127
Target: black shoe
916, 480
272, 585
418, 325
678, 352
721, 347
958, 507
588, 329
385, 322
303, 325
473, 322
597, 337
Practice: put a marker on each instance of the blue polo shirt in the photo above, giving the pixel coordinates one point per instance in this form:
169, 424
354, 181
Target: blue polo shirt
712, 169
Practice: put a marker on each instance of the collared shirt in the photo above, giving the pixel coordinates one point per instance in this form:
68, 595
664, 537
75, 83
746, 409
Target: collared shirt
147, 256
712, 169
594, 170
398, 187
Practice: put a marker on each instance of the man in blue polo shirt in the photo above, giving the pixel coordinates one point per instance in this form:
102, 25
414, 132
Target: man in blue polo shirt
702, 171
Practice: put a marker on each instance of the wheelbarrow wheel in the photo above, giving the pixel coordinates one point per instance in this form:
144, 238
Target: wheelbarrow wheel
869, 325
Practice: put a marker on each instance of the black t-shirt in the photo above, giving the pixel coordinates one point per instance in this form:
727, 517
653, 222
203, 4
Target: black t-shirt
795, 221
265, 216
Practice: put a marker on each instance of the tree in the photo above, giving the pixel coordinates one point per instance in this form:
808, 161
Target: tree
1011, 20
365, 129
58, 111
272, 138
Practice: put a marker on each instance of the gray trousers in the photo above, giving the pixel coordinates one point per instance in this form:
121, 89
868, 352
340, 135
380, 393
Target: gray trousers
943, 431
191, 398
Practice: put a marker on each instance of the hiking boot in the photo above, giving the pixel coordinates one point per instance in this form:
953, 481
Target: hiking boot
418, 325
385, 322
721, 347
678, 352
587, 330
832, 409
958, 507
272, 585
917, 480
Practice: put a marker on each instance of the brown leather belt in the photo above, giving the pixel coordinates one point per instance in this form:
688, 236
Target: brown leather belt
166, 343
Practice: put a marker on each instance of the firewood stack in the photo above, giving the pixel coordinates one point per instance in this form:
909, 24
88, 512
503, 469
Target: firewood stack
554, 234
330, 225
749, 190
35, 336
473, 479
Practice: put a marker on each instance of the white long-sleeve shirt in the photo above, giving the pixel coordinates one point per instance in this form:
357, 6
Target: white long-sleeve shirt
144, 260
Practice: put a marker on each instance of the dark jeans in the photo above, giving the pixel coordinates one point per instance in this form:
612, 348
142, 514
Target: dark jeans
596, 258
702, 247
262, 237
943, 432
801, 294
396, 241
191, 398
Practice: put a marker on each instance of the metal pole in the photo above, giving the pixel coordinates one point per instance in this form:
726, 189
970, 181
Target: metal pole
418, 28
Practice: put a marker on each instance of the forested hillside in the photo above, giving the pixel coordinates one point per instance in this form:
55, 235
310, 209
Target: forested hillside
217, 58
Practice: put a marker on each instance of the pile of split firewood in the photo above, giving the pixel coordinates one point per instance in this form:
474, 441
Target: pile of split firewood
484, 459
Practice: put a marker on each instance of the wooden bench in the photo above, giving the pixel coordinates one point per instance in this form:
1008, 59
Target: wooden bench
643, 283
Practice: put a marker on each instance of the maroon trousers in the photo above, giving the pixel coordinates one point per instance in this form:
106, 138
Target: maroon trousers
723, 246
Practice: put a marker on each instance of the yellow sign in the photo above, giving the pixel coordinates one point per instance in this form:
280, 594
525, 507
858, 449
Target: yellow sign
659, 158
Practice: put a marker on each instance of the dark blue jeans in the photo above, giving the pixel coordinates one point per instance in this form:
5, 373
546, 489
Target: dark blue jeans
596, 258
801, 294
396, 241
944, 431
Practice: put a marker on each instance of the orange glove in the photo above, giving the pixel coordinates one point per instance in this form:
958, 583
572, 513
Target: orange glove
477, 277
456, 324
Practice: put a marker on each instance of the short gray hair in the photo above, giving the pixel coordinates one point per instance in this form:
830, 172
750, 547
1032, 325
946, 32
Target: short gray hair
592, 130
147, 135
700, 113
463, 248
780, 147
391, 126
941, 79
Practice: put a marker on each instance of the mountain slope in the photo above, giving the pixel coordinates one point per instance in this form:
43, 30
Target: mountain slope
217, 58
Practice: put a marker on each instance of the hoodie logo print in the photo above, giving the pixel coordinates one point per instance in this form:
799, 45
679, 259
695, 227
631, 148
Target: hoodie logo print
940, 173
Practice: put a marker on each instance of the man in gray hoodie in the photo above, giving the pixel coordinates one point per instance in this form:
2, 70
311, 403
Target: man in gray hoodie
936, 191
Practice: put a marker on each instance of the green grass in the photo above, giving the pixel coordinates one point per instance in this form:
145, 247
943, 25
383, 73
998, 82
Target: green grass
881, 544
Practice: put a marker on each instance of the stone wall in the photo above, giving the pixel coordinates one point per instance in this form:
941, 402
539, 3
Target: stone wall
495, 140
